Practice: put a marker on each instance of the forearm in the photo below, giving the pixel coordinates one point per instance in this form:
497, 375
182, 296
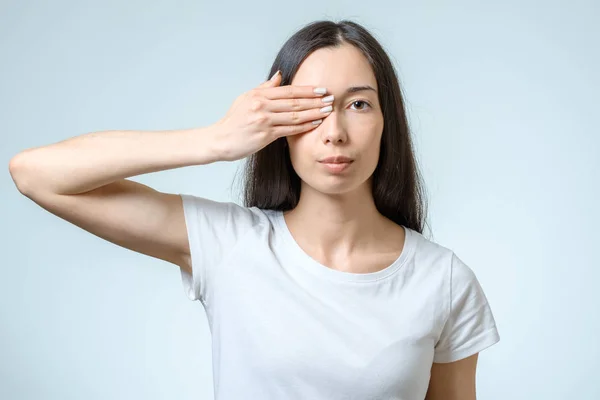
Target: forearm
92, 160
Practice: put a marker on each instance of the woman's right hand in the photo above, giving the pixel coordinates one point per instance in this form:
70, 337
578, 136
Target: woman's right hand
268, 112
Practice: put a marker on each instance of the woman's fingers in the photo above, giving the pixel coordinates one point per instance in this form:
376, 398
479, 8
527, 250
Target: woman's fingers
288, 130
292, 109
292, 91
300, 117
297, 104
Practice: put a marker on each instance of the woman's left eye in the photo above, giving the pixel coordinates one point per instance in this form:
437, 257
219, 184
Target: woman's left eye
361, 102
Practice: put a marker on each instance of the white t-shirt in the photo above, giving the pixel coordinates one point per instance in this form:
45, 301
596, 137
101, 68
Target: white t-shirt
285, 326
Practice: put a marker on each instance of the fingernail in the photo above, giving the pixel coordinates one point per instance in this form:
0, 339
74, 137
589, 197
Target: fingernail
326, 109
327, 99
320, 90
317, 122
274, 75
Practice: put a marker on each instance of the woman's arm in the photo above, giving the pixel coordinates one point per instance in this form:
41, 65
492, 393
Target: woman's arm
453, 381
89, 161
81, 180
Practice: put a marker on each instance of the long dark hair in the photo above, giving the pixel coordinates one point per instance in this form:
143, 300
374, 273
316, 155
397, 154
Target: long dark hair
270, 181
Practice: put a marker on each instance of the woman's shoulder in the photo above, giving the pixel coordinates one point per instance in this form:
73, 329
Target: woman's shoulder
428, 247
431, 254
225, 211
436, 258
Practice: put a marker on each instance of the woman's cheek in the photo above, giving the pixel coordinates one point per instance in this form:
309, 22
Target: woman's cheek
367, 125
299, 153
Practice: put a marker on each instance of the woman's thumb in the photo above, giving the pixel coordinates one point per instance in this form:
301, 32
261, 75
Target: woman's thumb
274, 81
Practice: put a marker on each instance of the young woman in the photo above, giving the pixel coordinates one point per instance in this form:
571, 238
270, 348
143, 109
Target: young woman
322, 285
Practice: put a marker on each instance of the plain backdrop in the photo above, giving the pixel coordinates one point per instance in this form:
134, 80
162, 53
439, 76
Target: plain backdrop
503, 103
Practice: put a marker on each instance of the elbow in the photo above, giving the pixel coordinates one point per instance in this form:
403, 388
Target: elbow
18, 167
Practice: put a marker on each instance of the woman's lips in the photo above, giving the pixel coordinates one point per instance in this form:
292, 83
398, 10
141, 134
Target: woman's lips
336, 167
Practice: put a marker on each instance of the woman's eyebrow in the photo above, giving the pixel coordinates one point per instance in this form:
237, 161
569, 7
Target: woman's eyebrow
354, 89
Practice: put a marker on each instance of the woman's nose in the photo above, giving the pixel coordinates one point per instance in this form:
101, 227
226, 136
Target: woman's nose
332, 129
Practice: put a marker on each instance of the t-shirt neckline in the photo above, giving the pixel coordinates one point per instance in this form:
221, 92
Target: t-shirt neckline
342, 276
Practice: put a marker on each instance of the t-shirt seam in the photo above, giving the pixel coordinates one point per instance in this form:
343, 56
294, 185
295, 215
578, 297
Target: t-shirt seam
472, 342
449, 295
191, 223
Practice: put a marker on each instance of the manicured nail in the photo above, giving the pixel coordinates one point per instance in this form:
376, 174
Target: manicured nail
274, 75
317, 122
328, 99
320, 90
326, 109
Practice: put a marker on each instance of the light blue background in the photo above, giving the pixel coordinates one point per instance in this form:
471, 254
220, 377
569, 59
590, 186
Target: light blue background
503, 102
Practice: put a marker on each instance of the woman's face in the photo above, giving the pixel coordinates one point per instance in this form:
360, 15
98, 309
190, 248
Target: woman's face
353, 129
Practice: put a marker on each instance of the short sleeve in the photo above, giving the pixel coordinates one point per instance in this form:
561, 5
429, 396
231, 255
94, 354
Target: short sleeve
213, 229
470, 326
